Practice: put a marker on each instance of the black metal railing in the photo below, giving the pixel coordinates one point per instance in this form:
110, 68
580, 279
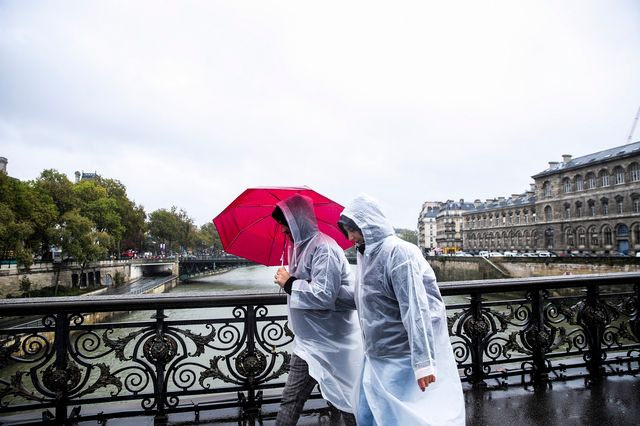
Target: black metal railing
95, 358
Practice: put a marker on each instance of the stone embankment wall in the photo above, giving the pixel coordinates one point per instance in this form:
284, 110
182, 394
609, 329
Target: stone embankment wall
44, 274
541, 267
451, 268
448, 268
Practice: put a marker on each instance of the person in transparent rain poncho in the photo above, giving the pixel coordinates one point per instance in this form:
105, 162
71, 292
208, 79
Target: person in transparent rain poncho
327, 343
409, 376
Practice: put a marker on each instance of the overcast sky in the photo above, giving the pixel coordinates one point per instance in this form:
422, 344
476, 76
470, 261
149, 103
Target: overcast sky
189, 103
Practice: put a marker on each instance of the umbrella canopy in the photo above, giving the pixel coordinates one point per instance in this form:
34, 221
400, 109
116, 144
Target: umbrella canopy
247, 229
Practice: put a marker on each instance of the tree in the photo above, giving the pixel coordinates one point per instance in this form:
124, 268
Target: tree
164, 227
207, 239
59, 188
79, 239
408, 235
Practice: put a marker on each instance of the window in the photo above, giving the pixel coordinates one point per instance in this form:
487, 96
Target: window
636, 205
634, 172
548, 213
619, 207
607, 236
546, 189
605, 208
636, 234
579, 183
594, 237
567, 211
591, 181
578, 209
566, 185
592, 208
582, 237
619, 175
604, 178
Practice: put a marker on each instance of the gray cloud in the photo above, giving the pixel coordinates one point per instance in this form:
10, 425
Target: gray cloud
188, 103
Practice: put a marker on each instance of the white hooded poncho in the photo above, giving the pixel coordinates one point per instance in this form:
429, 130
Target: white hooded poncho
326, 337
403, 321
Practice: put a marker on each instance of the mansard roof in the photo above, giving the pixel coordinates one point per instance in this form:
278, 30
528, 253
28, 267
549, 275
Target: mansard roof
595, 158
522, 200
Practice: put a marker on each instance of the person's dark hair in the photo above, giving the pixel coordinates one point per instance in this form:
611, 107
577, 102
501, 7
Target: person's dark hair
344, 222
278, 216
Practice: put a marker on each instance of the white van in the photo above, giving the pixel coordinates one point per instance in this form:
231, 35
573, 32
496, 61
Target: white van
483, 253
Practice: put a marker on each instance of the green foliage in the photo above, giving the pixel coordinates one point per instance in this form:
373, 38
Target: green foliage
89, 220
207, 238
408, 235
25, 286
118, 278
79, 239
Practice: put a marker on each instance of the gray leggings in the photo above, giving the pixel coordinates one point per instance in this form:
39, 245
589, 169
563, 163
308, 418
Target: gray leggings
296, 392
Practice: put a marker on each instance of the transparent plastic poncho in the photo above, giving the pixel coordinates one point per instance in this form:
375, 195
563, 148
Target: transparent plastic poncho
403, 321
327, 337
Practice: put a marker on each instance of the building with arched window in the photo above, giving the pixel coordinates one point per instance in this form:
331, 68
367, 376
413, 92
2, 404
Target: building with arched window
589, 204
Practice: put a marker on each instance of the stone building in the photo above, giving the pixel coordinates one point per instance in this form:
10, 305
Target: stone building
502, 224
449, 225
86, 176
427, 226
590, 204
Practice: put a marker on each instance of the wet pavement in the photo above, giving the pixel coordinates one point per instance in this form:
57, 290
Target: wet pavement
616, 401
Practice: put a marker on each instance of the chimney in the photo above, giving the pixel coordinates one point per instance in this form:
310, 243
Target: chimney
566, 158
500, 198
515, 196
553, 164
3, 165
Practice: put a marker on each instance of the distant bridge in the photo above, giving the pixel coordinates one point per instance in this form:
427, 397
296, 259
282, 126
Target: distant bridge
208, 265
201, 266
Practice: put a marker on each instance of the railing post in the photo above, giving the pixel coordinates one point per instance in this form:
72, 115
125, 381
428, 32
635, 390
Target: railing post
59, 380
160, 349
595, 319
538, 339
477, 333
252, 404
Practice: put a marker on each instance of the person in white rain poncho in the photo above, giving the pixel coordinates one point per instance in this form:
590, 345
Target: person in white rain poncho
328, 343
409, 376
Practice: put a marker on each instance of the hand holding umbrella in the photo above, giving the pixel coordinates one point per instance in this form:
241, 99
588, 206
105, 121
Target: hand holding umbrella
281, 276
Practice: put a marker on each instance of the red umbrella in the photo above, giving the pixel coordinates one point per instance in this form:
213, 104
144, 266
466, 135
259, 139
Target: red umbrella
247, 229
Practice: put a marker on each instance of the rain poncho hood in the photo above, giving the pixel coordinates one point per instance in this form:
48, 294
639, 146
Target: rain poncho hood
326, 337
403, 321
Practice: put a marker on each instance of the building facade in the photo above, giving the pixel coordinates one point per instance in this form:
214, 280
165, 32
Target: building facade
590, 204
427, 226
449, 225
502, 224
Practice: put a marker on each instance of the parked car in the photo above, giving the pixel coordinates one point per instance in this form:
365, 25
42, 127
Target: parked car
495, 254
543, 253
462, 254
483, 253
